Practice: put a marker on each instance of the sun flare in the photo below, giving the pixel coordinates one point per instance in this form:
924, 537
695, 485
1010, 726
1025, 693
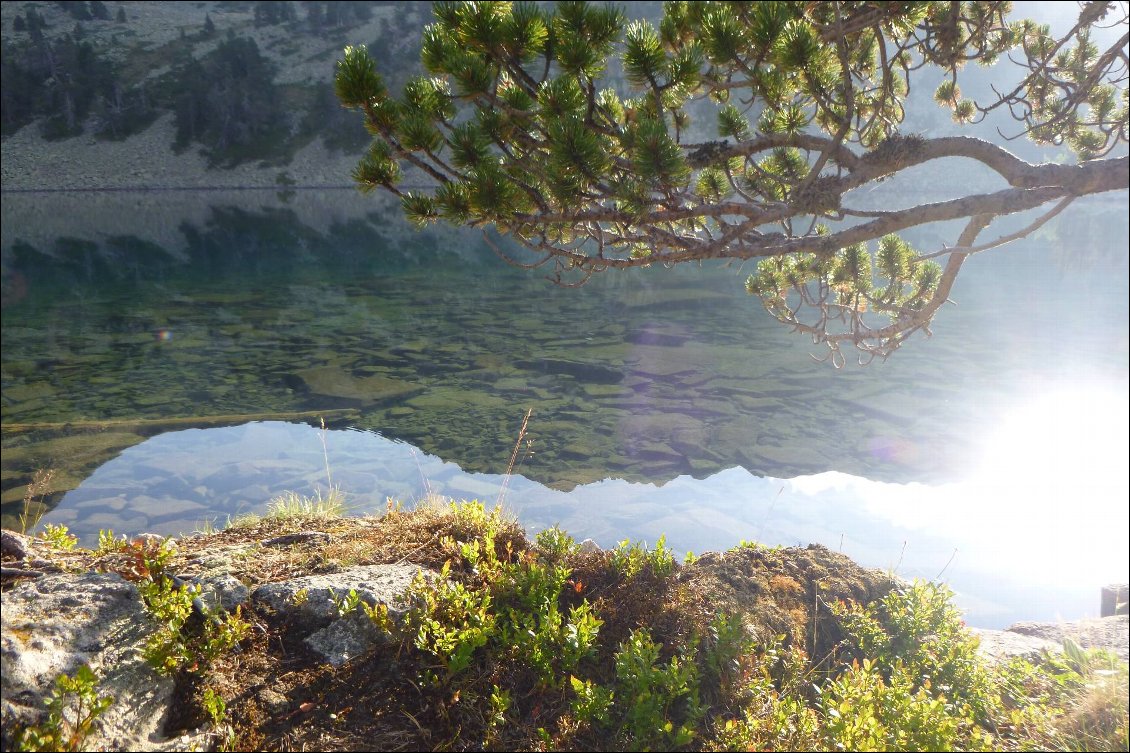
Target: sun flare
1053, 474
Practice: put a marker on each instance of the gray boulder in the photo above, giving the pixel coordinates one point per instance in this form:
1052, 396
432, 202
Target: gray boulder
1111, 633
13, 545
54, 624
1030, 639
307, 603
222, 591
998, 646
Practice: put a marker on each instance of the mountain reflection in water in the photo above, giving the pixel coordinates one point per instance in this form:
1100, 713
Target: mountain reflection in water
665, 401
179, 481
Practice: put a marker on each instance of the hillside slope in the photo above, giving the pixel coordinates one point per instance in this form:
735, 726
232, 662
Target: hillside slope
144, 102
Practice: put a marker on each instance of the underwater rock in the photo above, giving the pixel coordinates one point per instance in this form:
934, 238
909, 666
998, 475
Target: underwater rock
335, 382
590, 373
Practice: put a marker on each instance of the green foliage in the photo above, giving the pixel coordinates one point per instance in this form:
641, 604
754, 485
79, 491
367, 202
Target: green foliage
72, 708
726, 644
516, 610
532, 623
63, 81
58, 537
1075, 700
345, 605
171, 606
658, 702
916, 683
769, 700
357, 82
919, 632
449, 622
556, 544
215, 706
496, 718
178, 644
591, 703
524, 124
292, 505
866, 709
228, 102
108, 542
631, 558
518, 659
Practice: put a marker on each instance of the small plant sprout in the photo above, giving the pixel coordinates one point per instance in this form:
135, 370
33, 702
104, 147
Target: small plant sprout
58, 537
72, 707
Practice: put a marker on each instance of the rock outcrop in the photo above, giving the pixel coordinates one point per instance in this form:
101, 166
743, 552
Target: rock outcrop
54, 624
310, 605
779, 591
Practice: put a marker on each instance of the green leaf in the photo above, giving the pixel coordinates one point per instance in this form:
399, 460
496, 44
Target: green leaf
454, 201
428, 97
797, 46
685, 66
712, 184
656, 157
894, 258
469, 145
439, 51
853, 269
420, 209
561, 96
525, 32
769, 20
724, 37
417, 133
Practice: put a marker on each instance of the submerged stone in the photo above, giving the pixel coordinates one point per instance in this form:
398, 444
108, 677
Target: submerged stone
591, 373
336, 382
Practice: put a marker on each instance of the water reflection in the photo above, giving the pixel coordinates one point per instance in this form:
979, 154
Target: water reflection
129, 315
1005, 561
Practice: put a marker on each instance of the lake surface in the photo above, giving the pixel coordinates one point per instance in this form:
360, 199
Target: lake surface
168, 355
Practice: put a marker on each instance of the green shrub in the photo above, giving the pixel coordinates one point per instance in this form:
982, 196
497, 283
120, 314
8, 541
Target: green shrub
532, 625
58, 537
556, 544
632, 558
176, 645
865, 708
919, 628
591, 702
658, 703
448, 621
73, 706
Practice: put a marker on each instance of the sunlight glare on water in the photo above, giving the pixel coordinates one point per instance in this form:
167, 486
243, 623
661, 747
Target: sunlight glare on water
1054, 471
1048, 497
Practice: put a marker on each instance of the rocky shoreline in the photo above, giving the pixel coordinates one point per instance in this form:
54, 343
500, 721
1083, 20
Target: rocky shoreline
147, 162
63, 609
